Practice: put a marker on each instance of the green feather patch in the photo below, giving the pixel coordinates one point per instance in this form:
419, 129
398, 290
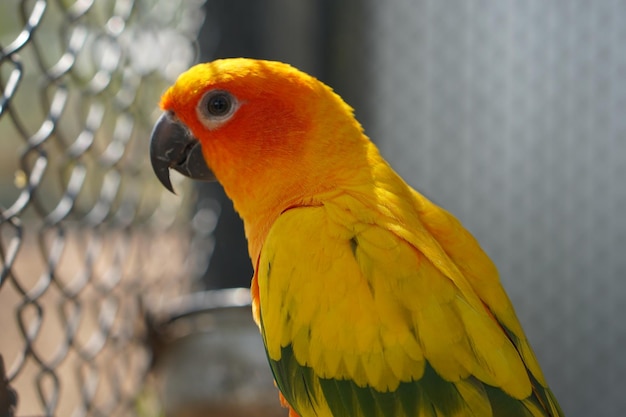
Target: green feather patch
310, 395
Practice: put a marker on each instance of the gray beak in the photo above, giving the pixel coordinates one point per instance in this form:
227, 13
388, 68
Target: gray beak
173, 146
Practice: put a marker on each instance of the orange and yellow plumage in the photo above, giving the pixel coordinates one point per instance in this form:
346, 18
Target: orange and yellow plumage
372, 301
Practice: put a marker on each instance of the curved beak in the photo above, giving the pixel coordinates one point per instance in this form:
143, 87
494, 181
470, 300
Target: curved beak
173, 146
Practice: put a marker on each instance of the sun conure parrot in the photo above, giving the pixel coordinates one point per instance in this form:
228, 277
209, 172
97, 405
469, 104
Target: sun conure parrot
371, 300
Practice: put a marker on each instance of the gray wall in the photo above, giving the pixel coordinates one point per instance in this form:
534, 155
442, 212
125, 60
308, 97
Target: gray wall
512, 116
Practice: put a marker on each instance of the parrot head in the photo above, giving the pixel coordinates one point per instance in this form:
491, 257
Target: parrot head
263, 129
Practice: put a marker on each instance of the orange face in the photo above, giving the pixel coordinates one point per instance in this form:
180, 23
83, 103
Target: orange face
245, 116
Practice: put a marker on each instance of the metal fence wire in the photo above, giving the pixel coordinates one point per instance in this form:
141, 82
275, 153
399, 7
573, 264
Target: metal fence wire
83, 223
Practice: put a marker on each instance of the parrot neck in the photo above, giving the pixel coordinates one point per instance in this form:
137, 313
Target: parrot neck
260, 213
260, 205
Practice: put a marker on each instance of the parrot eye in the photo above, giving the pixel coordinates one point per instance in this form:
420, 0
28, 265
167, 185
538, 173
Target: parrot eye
218, 104
216, 107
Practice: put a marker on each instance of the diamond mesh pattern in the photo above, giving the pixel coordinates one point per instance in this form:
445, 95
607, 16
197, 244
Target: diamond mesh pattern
82, 219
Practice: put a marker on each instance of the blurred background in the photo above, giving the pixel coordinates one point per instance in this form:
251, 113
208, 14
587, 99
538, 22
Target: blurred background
117, 298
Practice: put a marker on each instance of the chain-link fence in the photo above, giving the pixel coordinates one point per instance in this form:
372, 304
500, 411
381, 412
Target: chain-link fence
86, 234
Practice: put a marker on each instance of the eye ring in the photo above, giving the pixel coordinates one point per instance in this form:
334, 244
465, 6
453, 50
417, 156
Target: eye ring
216, 107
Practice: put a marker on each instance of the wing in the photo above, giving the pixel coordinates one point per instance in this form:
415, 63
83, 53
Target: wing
359, 320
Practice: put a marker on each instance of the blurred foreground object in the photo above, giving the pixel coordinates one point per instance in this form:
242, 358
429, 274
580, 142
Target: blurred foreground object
8, 396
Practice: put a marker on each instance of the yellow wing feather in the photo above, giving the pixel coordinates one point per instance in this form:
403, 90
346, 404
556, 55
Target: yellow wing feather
378, 303
383, 289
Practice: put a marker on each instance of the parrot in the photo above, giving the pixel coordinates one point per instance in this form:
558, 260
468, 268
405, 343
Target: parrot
371, 300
